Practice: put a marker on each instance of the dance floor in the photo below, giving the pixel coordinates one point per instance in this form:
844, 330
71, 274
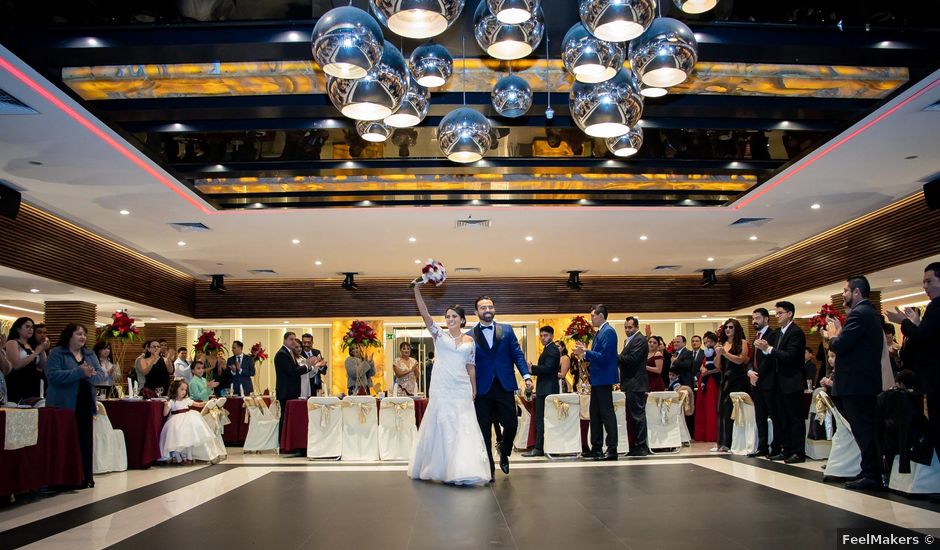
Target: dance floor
692, 500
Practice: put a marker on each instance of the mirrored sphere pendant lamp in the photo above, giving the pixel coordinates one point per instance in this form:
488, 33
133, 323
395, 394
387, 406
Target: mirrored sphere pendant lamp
417, 18
589, 58
609, 108
464, 135
504, 41
376, 95
665, 54
346, 42
431, 64
513, 12
617, 20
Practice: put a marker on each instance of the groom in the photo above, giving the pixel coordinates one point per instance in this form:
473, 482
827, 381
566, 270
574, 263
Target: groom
497, 350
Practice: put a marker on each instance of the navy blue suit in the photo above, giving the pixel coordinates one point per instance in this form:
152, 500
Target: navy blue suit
496, 383
241, 379
604, 374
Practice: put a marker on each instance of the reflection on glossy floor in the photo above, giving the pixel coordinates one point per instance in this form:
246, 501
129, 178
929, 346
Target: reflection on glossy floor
668, 501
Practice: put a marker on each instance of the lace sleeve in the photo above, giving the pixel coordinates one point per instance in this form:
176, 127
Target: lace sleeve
472, 358
435, 331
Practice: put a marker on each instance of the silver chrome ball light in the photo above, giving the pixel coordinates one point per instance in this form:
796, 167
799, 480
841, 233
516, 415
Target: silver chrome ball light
665, 54
413, 109
346, 42
607, 109
504, 41
417, 18
695, 6
376, 95
628, 144
373, 130
513, 12
512, 96
617, 20
589, 58
431, 64
464, 135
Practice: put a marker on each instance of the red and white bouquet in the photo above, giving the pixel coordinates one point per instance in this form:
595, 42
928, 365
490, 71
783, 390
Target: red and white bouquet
580, 330
121, 327
433, 274
828, 311
208, 343
258, 353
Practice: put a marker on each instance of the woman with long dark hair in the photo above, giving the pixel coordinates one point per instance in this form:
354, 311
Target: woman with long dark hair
706, 402
731, 355
72, 372
27, 362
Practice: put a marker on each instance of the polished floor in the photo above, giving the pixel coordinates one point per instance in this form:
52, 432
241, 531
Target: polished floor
691, 500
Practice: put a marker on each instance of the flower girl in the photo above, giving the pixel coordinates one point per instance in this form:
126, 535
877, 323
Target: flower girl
185, 435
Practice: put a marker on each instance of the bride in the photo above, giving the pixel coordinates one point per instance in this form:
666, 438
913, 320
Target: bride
450, 445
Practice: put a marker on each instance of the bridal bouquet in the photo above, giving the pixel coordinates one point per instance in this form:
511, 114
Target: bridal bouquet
208, 343
580, 330
432, 274
818, 321
258, 353
360, 334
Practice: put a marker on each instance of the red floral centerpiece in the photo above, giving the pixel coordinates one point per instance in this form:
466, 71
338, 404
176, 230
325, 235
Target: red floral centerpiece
122, 332
360, 334
828, 311
207, 343
580, 330
258, 353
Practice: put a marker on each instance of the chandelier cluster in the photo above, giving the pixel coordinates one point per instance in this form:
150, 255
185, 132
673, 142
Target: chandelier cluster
369, 80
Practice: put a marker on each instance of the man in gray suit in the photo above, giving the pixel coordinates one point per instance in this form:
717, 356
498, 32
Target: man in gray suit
635, 383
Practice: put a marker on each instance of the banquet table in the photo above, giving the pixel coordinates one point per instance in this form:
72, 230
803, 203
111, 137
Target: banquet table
236, 432
141, 422
294, 427
55, 459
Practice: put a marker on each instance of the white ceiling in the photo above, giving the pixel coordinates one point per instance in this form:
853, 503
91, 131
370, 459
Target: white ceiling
85, 180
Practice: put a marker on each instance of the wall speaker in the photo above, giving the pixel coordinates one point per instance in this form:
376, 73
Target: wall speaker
217, 284
9, 200
932, 192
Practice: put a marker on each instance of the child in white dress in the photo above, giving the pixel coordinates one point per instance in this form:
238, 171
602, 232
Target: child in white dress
185, 435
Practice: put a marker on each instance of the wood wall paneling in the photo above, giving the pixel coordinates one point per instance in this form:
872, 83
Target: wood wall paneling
58, 314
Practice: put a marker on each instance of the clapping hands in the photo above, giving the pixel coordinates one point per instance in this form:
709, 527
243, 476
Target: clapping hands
761, 344
898, 316
832, 330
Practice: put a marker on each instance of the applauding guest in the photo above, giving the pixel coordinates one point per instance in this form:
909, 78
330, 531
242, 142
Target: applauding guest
181, 367
241, 368
359, 371
27, 361
547, 372
406, 371
288, 373
199, 388
731, 357
603, 366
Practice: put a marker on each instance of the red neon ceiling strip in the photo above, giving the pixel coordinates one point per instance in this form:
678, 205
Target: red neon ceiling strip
797, 169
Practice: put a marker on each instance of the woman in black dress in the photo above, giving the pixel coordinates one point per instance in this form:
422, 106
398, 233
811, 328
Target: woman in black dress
27, 362
731, 355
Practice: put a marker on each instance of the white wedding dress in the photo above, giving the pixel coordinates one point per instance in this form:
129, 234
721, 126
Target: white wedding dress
450, 446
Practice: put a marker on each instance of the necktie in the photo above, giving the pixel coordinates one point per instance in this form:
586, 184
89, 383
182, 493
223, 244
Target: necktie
239, 369
759, 336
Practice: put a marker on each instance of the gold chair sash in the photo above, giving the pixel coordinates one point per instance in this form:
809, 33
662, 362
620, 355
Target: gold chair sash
819, 407
620, 404
663, 404
326, 410
364, 409
561, 408
688, 400
400, 409
737, 406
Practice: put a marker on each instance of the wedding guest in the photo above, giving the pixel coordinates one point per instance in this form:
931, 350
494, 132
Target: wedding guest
199, 388
103, 352
829, 378
858, 347
288, 373
698, 357
181, 367
565, 362
923, 334
154, 369
602, 358
763, 378
5, 368
546, 383
682, 361
72, 372
709, 382
809, 368
241, 368
184, 430
893, 347
731, 357
215, 367
167, 353
673, 380
406, 371
39, 336
664, 348
580, 375
359, 371
26, 361
635, 381
654, 365
314, 381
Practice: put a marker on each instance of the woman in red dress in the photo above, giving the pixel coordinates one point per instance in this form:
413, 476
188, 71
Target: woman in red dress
654, 365
706, 400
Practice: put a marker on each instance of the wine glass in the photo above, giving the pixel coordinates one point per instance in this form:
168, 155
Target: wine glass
159, 392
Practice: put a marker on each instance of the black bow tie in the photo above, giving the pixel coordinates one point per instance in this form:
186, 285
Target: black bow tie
484, 327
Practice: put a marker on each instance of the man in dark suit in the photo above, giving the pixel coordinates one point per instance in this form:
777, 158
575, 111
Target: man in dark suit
603, 369
546, 383
923, 334
497, 350
763, 386
858, 348
682, 361
698, 356
314, 382
288, 374
241, 368
786, 352
634, 382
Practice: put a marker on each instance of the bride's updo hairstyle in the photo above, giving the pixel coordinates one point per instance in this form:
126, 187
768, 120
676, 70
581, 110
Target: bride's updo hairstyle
458, 309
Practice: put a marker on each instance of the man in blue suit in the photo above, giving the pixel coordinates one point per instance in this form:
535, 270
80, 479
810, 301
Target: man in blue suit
241, 368
603, 369
497, 349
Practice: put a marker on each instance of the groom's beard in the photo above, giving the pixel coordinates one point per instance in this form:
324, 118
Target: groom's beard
487, 317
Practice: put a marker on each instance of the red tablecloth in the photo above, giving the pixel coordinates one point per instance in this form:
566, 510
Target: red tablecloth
141, 422
294, 427
55, 459
236, 432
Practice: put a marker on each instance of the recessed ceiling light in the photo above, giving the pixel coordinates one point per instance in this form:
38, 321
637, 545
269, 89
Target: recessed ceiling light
704, 316
125, 212
153, 318
897, 280
518, 260
615, 259
412, 239
181, 243
816, 206
528, 238
753, 237
417, 261
34, 290
286, 322
710, 259
296, 241
318, 262
643, 237
807, 302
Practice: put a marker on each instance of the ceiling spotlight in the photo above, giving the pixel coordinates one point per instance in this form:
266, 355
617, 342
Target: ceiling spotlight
643, 237
574, 280
897, 280
512, 96
529, 238
417, 18
431, 64
704, 316
318, 262
752, 238
513, 12
295, 241
607, 109
125, 212
34, 290
464, 135
518, 260
347, 42
217, 284
710, 259
589, 58
709, 278
617, 20
628, 144
808, 302
412, 239
153, 318
349, 282
615, 259
695, 6
816, 206
665, 54
418, 261
373, 130
504, 41
653, 92
181, 243
377, 94
413, 109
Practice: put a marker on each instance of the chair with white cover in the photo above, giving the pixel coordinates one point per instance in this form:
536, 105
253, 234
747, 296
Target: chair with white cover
562, 425
215, 416
817, 449
688, 409
663, 419
923, 480
360, 428
521, 442
845, 458
398, 431
262, 424
324, 428
110, 453
620, 413
744, 433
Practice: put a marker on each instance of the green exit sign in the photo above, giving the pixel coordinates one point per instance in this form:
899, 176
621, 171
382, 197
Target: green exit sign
389, 336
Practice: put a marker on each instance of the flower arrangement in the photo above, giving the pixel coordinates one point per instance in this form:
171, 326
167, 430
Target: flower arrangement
580, 330
208, 343
818, 321
360, 334
258, 353
433, 274
121, 328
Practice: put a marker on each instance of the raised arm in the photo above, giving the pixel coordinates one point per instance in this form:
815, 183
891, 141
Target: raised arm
423, 308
